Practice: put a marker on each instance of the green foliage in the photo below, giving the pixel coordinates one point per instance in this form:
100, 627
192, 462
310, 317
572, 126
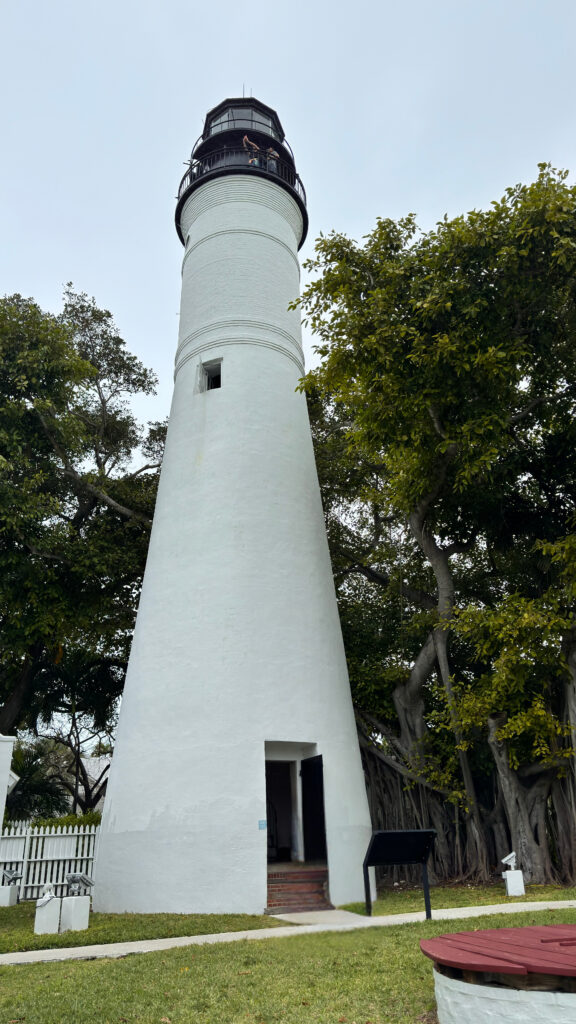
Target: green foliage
89, 819
74, 512
521, 640
81, 683
444, 420
38, 792
457, 342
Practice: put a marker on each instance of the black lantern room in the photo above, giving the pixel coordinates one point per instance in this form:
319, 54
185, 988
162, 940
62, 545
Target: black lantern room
242, 136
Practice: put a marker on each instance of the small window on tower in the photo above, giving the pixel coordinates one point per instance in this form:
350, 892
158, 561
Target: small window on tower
213, 375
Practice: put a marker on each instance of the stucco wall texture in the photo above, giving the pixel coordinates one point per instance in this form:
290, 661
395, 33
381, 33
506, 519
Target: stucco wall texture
460, 1001
6, 749
237, 649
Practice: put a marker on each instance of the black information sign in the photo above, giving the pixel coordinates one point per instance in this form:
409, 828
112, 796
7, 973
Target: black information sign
413, 846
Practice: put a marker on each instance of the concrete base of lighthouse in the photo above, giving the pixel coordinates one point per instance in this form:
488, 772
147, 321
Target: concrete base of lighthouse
213, 858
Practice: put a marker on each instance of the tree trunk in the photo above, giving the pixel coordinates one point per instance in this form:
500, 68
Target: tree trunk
570, 693
537, 797
564, 825
409, 704
477, 856
394, 804
532, 858
12, 710
496, 825
444, 850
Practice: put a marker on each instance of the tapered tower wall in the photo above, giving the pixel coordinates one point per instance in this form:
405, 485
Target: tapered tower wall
237, 653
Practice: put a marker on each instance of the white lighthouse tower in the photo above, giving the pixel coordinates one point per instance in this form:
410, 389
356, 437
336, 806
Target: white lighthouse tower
237, 746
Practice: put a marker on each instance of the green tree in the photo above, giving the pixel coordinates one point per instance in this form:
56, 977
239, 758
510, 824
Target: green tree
39, 791
449, 373
82, 776
75, 506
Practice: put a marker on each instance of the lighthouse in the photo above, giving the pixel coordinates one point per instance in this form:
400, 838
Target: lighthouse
236, 751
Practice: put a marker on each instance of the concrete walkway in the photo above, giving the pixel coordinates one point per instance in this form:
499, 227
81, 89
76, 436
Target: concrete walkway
308, 924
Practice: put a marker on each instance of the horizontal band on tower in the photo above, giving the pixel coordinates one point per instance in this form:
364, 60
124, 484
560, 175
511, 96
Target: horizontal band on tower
226, 342
241, 189
249, 325
241, 231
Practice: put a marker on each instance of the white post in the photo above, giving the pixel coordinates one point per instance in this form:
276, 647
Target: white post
8, 895
75, 913
47, 919
6, 747
25, 858
514, 881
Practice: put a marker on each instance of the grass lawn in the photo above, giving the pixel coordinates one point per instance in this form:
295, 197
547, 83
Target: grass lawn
403, 899
17, 923
374, 976
17, 928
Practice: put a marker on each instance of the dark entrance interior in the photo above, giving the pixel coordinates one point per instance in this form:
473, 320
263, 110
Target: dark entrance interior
279, 810
313, 808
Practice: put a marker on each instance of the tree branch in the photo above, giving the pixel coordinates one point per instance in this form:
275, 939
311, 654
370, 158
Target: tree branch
460, 547
518, 416
436, 421
36, 551
396, 766
144, 469
122, 510
414, 594
73, 474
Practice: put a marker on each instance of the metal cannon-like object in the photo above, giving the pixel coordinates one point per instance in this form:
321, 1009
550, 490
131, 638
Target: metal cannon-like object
76, 881
10, 876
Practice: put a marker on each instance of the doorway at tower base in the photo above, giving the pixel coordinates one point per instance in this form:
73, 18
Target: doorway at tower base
295, 818
316, 811
297, 875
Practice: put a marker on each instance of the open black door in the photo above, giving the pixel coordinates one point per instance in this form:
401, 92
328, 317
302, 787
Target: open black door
279, 810
313, 824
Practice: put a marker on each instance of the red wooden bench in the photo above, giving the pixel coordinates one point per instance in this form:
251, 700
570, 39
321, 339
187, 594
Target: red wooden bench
539, 960
537, 950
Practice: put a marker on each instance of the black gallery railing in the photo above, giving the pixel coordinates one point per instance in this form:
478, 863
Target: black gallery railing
252, 161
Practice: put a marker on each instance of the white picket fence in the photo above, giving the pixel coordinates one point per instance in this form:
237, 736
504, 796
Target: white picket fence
46, 855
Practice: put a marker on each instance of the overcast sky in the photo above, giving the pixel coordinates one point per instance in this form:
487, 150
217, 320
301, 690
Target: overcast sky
389, 108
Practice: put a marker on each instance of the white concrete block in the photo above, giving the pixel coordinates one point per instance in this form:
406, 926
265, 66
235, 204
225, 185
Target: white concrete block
8, 895
47, 920
459, 1002
6, 747
514, 883
75, 913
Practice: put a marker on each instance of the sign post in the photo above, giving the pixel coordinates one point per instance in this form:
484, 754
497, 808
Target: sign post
385, 849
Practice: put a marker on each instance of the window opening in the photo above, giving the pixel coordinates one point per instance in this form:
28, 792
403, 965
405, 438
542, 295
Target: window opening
219, 123
213, 375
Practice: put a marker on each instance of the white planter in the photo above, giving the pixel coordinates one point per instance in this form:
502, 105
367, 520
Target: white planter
460, 1002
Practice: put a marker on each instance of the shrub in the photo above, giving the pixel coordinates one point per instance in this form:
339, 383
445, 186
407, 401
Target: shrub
69, 820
